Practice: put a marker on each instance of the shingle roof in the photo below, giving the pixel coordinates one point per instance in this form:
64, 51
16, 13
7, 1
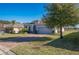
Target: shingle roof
14, 25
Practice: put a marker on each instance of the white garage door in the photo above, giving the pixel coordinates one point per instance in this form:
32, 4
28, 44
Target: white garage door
43, 30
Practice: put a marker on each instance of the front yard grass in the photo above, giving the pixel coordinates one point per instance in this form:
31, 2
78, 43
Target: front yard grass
55, 46
42, 50
6, 36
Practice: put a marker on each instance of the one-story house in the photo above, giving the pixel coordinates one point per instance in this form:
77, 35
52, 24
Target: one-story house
39, 28
15, 28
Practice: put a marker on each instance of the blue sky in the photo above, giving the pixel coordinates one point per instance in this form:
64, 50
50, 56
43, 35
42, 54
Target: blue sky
22, 12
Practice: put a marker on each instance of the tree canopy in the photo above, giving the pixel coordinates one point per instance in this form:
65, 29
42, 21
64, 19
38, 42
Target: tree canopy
61, 14
4, 21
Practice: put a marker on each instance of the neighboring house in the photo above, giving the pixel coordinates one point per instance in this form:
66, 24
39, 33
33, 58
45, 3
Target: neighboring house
14, 27
2, 29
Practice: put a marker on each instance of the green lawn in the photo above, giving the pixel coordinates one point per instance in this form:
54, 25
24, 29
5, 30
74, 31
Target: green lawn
53, 46
10, 36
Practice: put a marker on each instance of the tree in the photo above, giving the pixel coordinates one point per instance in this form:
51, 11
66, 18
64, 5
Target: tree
4, 22
13, 21
59, 15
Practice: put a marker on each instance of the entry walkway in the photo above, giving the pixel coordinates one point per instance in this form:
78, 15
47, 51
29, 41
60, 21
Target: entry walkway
5, 51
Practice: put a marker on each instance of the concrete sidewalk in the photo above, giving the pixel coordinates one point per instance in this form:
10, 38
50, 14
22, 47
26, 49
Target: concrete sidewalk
5, 51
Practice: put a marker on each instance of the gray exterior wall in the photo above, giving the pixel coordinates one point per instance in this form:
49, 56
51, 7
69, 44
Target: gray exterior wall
42, 29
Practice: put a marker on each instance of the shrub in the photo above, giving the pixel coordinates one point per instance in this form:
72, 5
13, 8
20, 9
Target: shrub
9, 30
24, 30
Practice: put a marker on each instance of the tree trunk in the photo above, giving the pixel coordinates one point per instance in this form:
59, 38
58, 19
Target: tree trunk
55, 30
63, 29
61, 33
